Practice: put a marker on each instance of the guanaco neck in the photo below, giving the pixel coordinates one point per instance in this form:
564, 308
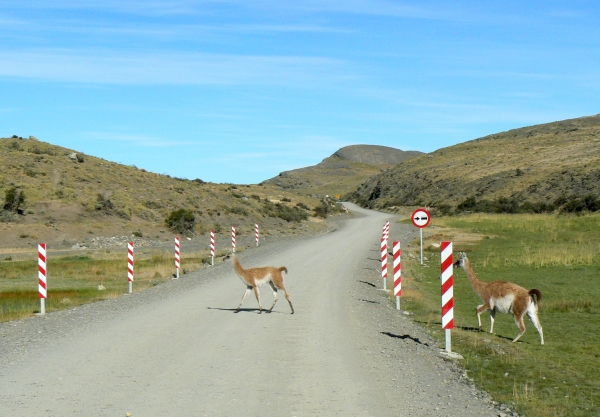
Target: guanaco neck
238, 266
477, 285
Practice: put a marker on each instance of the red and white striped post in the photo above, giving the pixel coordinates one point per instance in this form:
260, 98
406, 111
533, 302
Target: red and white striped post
233, 239
384, 263
447, 279
256, 232
130, 266
396, 253
386, 230
177, 257
212, 247
42, 274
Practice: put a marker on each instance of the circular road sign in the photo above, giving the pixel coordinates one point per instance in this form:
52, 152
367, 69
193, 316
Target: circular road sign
421, 218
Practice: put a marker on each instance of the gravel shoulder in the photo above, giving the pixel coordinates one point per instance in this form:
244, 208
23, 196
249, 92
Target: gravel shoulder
178, 348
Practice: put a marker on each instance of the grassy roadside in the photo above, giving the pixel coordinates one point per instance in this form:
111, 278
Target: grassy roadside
558, 255
74, 280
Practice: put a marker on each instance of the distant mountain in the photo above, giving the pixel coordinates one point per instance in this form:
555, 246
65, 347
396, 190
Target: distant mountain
536, 164
343, 171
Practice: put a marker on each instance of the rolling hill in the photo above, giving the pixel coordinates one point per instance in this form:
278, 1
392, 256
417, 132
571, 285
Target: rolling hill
537, 165
343, 171
70, 197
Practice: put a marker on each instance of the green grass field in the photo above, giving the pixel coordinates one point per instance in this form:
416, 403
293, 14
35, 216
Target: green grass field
559, 255
74, 280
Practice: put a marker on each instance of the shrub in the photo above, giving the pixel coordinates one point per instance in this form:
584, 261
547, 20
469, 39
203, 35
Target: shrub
13, 199
325, 209
151, 204
322, 210
581, 204
303, 206
104, 204
15, 146
238, 210
181, 220
289, 214
573, 204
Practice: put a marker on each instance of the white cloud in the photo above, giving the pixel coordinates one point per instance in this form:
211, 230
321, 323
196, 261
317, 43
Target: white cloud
177, 68
137, 139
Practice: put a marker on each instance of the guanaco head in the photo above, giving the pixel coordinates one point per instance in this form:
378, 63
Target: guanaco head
462, 258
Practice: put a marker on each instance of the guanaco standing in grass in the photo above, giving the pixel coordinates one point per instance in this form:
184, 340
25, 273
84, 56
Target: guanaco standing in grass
255, 277
504, 297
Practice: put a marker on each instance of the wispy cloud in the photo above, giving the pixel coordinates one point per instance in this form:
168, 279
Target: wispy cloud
136, 139
178, 68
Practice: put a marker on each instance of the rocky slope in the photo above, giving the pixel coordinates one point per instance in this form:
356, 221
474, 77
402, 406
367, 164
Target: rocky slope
537, 165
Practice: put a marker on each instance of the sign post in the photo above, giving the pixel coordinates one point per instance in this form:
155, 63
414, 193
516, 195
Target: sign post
421, 219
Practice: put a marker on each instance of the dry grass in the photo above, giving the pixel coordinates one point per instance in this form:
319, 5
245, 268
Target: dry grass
535, 251
73, 281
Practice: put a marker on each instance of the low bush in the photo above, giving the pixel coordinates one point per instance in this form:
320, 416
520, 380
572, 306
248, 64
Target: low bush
325, 209
238, 210
182, 220
512, 205
289, 214
104, 204
13, 199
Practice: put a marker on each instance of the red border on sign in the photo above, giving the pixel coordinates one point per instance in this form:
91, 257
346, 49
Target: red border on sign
412, 218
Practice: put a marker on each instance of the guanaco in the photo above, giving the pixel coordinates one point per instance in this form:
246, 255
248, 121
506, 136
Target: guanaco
255, 277
504, 297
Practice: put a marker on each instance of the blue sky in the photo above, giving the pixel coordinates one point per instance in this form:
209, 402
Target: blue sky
238, 91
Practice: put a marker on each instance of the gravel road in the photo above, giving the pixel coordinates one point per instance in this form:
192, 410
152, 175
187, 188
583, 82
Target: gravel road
179, 350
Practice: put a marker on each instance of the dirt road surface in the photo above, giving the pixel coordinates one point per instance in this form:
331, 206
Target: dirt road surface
178, 349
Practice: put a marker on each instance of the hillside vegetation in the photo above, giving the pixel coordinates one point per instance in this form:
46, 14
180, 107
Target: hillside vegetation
63, 197
544, 167
343, 171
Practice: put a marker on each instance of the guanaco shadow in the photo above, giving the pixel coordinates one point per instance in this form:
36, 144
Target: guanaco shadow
478, 330
469, 329
404, 337
242, 310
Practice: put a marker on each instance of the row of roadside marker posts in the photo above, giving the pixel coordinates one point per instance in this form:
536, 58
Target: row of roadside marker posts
421, 219
43, 273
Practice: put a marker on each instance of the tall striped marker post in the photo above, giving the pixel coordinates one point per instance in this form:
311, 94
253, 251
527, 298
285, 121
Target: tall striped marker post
384, 262
177, 257
42, 275
130, 266
256, 232
396, 253
233, 239
386, 230
447, 279
212, 247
